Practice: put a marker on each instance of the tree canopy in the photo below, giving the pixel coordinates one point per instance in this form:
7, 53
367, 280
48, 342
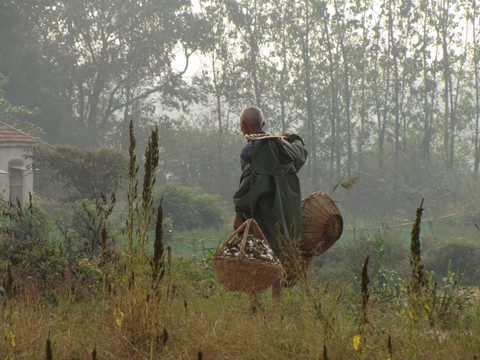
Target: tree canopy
387, 90
82, 174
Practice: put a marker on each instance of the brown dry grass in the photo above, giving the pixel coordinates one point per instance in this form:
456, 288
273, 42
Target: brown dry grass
202, 317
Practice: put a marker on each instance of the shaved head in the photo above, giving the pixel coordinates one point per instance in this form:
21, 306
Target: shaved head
251, 120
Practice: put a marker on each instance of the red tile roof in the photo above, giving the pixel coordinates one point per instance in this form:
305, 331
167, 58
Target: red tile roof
9, 134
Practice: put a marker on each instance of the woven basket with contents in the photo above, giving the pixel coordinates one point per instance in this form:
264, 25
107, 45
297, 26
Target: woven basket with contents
245, 262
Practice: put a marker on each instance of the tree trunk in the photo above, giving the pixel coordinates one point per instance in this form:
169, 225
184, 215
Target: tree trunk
126, 120
347, 95
383, 127
309, 92
396, 109
218, 95
254, 58
427, 135
381, 117
477, 105
363, 108
446, 75
333, 92
283, 79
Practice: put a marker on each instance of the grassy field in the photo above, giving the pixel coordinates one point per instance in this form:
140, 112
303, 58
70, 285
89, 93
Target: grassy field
81, 287
191, 316
369, 297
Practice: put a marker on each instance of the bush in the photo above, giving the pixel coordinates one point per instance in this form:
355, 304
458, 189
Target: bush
385, 247
19, 222
464, 256
80, 173
47, 255
190, 208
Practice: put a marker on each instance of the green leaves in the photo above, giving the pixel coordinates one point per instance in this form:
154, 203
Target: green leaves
82, 173
191, 207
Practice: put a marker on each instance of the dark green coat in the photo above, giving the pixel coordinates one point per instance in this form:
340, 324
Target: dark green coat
270, 189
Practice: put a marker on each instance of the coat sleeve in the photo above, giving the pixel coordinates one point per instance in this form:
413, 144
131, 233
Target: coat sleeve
295, 147
253, 186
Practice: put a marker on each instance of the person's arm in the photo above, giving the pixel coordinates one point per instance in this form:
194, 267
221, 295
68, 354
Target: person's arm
296, 148
290, 137
239, 220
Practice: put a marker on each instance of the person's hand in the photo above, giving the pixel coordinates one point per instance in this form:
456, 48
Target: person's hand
286, 133
238, 221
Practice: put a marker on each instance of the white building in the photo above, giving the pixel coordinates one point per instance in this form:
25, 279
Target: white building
16, 173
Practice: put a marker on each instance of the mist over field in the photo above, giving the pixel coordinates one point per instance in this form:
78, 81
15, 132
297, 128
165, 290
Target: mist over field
386, 91
126, 116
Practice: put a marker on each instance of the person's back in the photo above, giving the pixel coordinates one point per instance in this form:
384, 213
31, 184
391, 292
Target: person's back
269, 188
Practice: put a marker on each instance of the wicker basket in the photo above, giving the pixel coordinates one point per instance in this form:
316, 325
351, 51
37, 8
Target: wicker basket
240, 273
322, 224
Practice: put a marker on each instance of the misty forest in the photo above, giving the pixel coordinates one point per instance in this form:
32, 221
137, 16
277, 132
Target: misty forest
134, 108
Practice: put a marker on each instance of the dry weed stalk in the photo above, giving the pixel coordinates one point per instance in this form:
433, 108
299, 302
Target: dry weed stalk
9, 284
149, 178
158, 261
417, 288
417, 282
390, 347
132, 206
48, 349
364, 289
325, 352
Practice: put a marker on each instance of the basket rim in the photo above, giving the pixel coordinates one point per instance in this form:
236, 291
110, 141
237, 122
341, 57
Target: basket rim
237, 259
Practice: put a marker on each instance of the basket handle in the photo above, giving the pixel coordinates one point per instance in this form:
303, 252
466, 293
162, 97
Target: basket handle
239, 230
245, 227
256, 231
247, 224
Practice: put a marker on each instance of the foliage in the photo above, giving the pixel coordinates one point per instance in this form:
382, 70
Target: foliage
198, 319
45, 254
386, 96
28, 244
191, 208
24, 221
17, 116
117, 78
460, 256
417, 280
158, 259
200, 156
88, 221
34, 82
82, 173
177, 309
451, 297
386, 282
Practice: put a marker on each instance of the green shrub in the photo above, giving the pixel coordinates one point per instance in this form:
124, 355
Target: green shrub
21, 222
190, 208
80, 173
385, 247
464, 256
45, 254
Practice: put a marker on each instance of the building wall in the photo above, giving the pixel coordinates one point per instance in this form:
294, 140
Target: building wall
10, 152
4, 185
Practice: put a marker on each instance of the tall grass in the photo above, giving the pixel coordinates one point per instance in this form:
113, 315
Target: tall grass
174, 308
200, 316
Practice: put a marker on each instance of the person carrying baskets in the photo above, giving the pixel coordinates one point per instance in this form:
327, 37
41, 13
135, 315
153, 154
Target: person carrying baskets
269, 190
